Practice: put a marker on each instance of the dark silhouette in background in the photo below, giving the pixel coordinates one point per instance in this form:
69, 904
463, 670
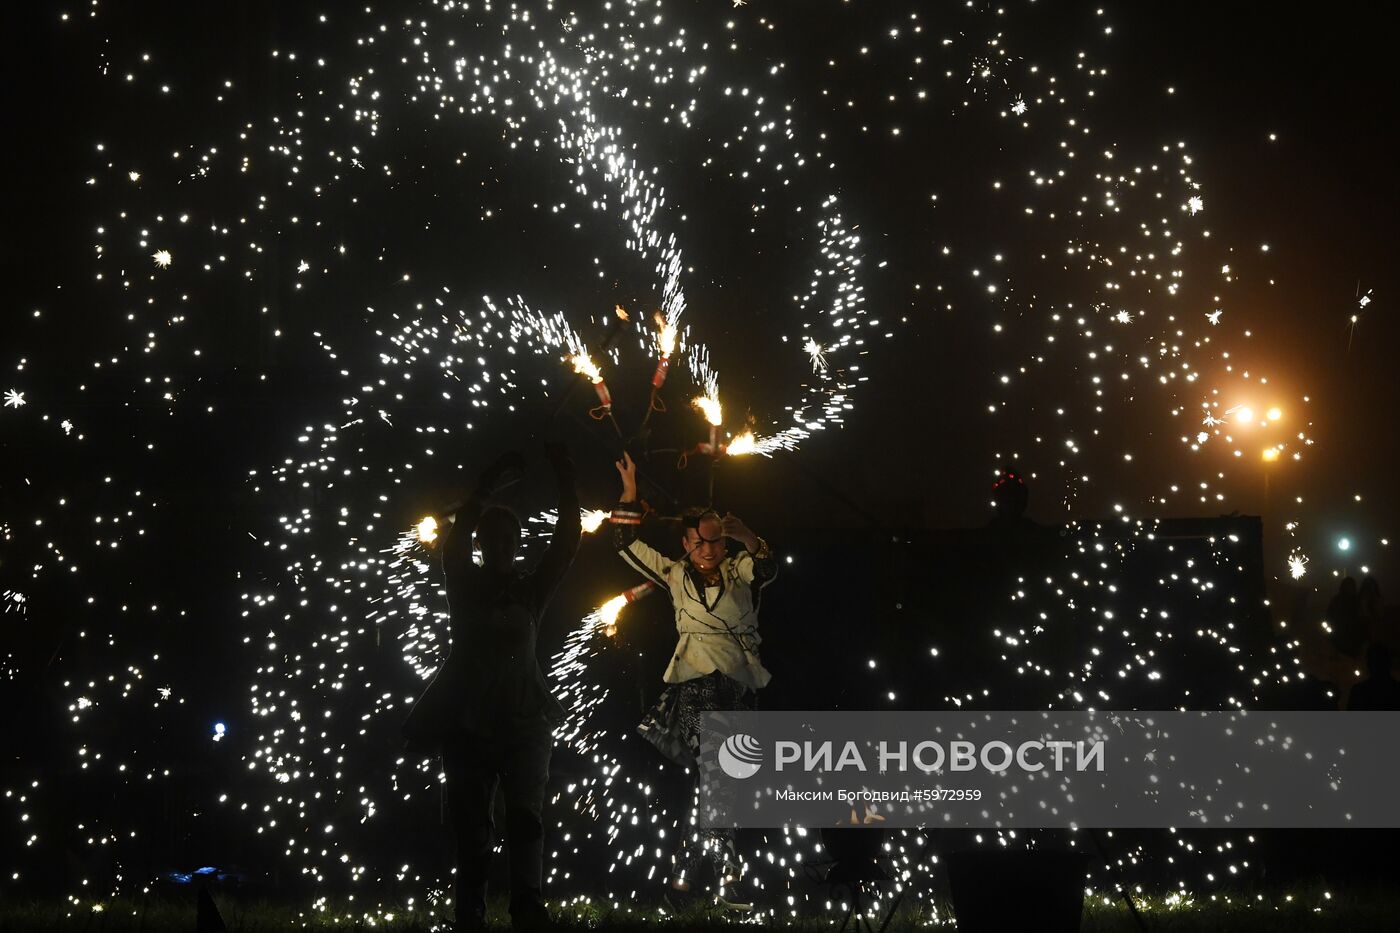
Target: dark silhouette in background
1344, 620
1379, 691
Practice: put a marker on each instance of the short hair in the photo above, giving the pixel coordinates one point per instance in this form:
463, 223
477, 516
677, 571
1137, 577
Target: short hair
691, 518
498, 513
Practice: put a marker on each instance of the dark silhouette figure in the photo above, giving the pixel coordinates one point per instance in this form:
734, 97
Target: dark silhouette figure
1370, 608
1379, 691
1344, 618
1012, 497
488, 708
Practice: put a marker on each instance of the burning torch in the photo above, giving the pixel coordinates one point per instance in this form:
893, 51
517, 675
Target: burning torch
608, 612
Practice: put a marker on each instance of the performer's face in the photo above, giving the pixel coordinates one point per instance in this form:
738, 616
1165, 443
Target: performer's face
705, 544
499, 539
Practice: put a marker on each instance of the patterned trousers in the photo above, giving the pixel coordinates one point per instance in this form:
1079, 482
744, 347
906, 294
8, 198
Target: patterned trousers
673, 726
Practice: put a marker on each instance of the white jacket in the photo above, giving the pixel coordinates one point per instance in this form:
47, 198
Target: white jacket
717, 625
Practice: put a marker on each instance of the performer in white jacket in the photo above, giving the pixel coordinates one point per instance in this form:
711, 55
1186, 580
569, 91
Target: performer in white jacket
716, 664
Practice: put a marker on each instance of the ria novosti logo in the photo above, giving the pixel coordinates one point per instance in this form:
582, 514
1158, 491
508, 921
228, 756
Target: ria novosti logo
741, 756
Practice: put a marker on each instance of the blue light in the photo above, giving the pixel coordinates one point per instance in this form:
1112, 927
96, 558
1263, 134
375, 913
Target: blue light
1344, 544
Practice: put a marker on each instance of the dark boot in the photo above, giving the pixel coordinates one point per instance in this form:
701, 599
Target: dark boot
529, 914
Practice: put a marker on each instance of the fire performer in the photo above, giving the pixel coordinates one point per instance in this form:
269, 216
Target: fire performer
715, 665
488, 708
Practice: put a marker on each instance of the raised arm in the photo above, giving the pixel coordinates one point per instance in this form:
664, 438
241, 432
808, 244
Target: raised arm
457, 545
760, 567
627, 520
563, 544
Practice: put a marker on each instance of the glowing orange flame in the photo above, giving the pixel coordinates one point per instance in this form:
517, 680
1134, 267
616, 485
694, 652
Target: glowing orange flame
710, 408
666, 341
607, 613
585, 366
743, 444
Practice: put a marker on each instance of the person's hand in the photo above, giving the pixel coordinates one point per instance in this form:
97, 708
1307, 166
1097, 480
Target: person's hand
627, 472
558, 457
508, 467
734, 527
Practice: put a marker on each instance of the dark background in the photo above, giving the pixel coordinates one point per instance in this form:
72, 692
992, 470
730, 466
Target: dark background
917, 453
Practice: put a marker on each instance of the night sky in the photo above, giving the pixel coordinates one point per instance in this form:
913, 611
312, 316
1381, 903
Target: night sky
919, 443
1052, 202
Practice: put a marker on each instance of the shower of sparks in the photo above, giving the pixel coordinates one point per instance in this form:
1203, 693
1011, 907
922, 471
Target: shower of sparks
585, 366
709, 407
1297, 566
588, 100
665, 337
593, 519
745, 443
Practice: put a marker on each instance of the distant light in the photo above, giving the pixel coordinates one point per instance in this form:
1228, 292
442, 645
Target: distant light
1275, 413
1270, 454
1344, 544
1245, 415
219, 730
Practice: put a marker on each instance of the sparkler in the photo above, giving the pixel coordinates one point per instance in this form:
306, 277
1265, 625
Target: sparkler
608, 612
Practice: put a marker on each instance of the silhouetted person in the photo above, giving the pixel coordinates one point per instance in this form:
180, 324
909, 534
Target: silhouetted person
1011, 497
1344, 619
1379, 691
1370, 608
488, 707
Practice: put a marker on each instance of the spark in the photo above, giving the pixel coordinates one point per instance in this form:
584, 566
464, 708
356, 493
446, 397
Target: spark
743, 444
608, 613
585, 366
162, 258
14, 399
709, 406
666, 336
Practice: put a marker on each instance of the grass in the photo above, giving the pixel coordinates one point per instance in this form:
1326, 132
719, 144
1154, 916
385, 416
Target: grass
1309, 908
